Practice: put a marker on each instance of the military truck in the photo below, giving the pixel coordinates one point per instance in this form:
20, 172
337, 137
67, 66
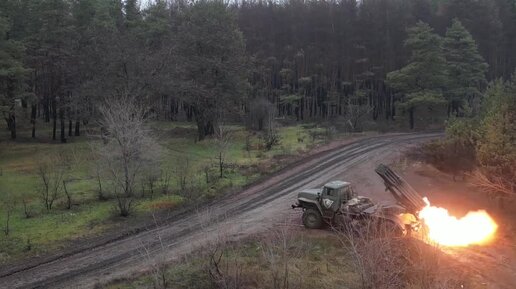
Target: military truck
337, 202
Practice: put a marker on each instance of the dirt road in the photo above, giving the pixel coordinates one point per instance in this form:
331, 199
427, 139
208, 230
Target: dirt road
253, 210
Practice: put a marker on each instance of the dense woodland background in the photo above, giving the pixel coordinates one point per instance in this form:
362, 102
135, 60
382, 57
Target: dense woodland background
176, 102
372, 64
214, 62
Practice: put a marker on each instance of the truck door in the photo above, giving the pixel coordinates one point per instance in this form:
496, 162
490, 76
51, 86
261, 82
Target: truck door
330, 202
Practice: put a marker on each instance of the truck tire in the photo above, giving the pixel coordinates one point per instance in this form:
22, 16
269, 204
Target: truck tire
312, 219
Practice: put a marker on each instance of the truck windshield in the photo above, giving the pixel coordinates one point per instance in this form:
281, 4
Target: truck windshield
328, 191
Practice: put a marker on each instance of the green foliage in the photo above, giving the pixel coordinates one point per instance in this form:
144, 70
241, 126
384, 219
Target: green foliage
440, 71
496, 148
290, 98
466, 67
456, 153
426, 71
422, 81
487, 140
423, 98
12, 70
463, 131
212, 72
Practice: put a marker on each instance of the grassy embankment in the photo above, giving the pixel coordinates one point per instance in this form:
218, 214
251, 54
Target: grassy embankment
285, 258
46, 231
281, 260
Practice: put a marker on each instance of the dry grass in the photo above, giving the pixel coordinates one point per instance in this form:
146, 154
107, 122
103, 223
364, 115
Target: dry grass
286, 258
368, 256
385, 261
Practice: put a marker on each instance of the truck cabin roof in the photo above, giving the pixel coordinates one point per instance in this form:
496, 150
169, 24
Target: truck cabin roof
336, 184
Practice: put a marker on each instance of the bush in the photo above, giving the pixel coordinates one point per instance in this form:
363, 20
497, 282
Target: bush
447, 156
496, 149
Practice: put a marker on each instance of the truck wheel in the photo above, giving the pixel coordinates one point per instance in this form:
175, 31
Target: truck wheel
312, 219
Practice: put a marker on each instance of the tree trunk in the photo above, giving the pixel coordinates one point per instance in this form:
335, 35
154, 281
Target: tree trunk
189, 113
77, 128
62, 122
11, 124
54, 116
46, 109
7, 221
221, 165
205, 124
411, 116
68, 197
33, 119
70, 128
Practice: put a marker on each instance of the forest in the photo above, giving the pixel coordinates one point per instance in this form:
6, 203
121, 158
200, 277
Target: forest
213, 62
125, 118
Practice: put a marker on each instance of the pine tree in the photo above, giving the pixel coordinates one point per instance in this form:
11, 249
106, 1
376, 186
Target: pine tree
212, 71
422, 81
466, 67
12, 75
132, 13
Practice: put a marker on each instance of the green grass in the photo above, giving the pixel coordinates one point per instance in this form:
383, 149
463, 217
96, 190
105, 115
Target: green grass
47, 231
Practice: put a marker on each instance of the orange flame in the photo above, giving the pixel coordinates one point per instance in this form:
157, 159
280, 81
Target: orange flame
474, 228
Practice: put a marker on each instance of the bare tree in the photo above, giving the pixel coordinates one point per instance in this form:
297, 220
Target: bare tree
128, 149
356, 110
385, 261
67, 162
157, 261
98, 176
377, 259
26, 198
149, 178
271, 135
248, 143
224, 137
8, 204
225, 272
206, 170
164, 182
492, 185
183, 173
68, 195
275, 251
51, 174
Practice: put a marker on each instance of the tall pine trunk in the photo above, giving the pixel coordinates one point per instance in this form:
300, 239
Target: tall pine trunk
411, 116
11, 124
46, 109
62, 122
33, 119
77, 128
54, 117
